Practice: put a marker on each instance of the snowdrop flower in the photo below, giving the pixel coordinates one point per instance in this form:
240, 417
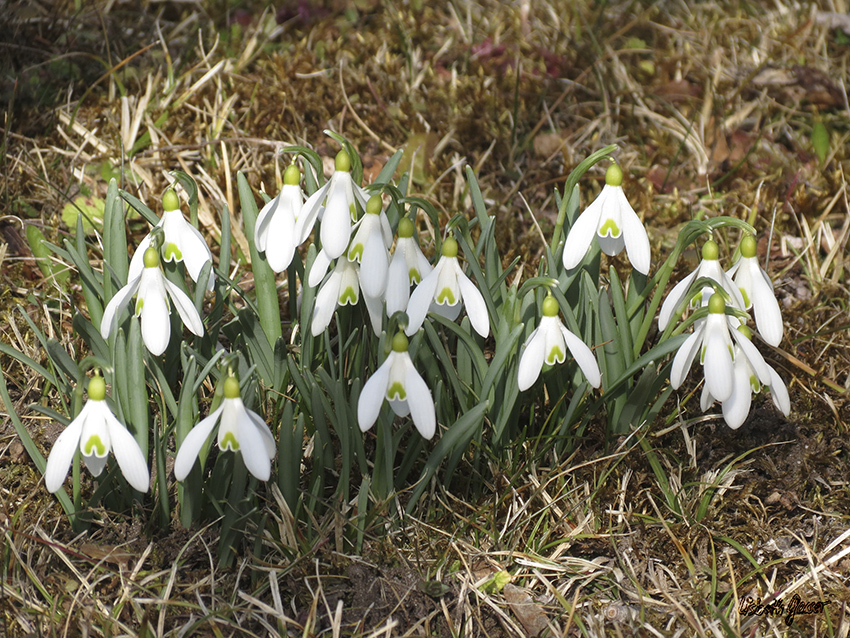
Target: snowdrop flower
183, 242
274, 233
342, 288
152, 291
445, 287
549, 344
757, 292
397, 381
408, 266
612, 219
711, 339
370, 248
709, 268
94, 433
748, 378
335, 203
239, 430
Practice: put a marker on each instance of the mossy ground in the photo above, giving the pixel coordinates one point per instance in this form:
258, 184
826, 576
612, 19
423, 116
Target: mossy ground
714, 107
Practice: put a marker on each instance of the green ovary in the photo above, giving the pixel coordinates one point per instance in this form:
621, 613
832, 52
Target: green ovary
94, 446
348, 296
396, 392
555, 355
609, 228
229, 442
172, 252
446, 296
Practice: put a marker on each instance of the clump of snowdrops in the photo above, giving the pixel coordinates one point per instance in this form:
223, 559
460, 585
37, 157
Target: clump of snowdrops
380, 347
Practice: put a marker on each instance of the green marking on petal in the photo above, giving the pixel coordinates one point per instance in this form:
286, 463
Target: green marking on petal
702, 355
414, 276
172, 252
746, 297
754, 383
609, 228
348, 296
229, 442
446, 296
352, 210
396, 392
139, 305
94, 446
356, 253
555, 355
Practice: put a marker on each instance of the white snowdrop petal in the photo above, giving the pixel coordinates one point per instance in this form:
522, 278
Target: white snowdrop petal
737, 406
717, 365
685, 357
420, 300
63, 450
374, 265
191, 446
309, 212
185, 308
634, 234
779, 393
419, 401
398, 285
319, 269
674, 299
251, 444
128, 454
261, 226
155, 318
195, 251
476, 307
766, 308
336, 221
583, 356
580, 236
116, 305
705, 399
753, 356
280, 248
372, 395
531, 360
326, 302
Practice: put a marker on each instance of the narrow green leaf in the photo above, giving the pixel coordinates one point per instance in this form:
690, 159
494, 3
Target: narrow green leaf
264, 277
